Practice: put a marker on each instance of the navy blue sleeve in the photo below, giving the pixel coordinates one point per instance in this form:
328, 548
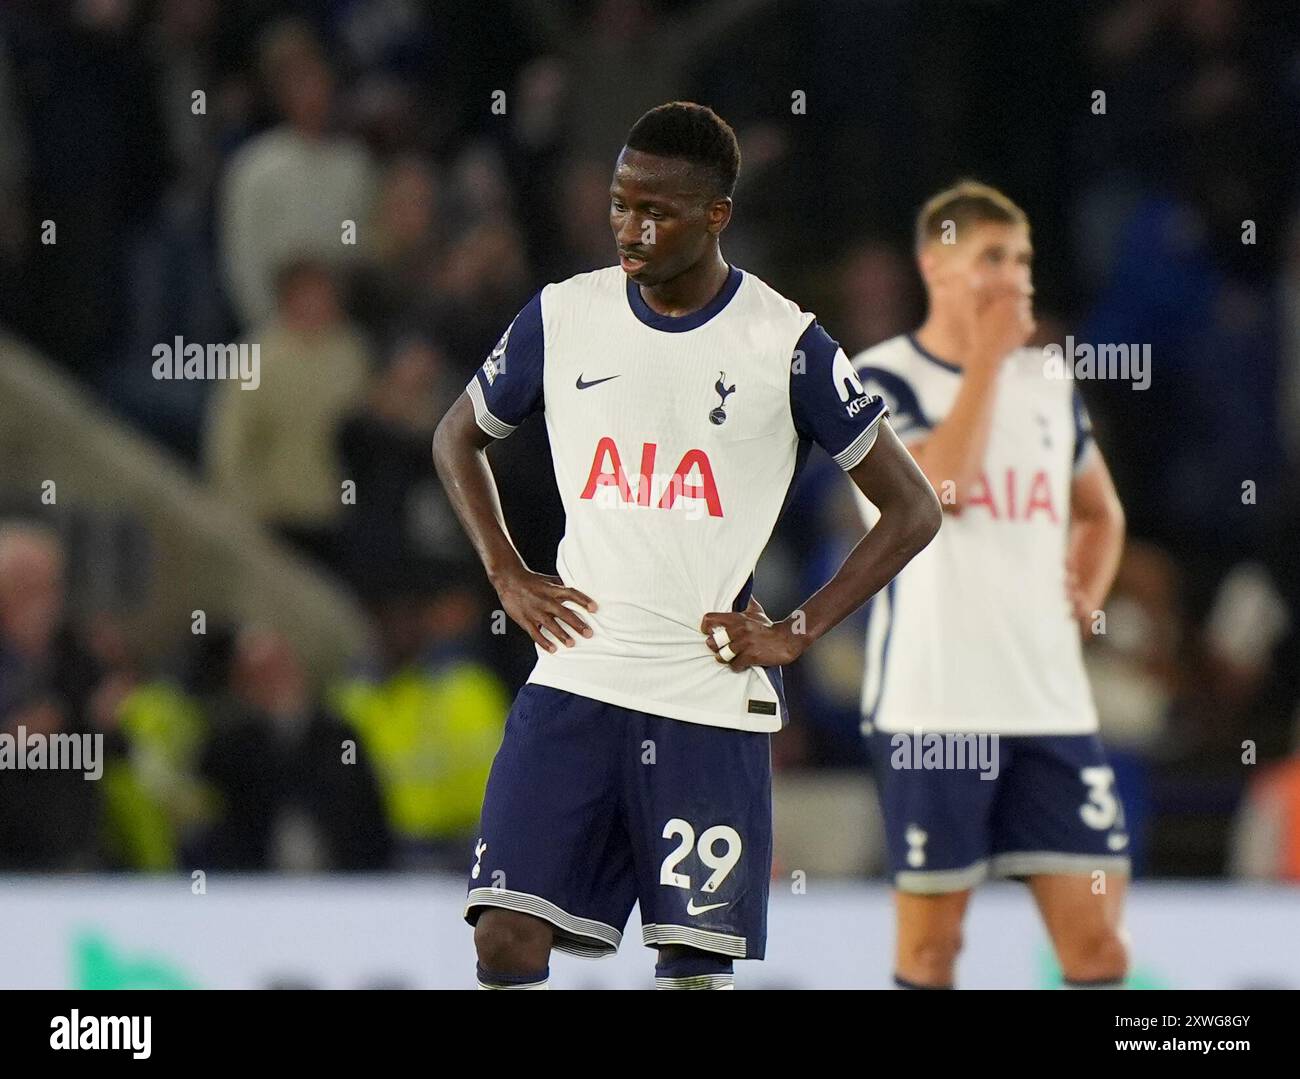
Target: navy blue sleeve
905, 415
508, 387
827, 400
1082, 432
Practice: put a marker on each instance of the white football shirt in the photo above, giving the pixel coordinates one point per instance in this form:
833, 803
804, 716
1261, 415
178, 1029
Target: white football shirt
975, 634
675, 441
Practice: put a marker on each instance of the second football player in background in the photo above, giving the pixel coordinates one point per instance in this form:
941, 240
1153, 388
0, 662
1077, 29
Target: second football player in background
978, 640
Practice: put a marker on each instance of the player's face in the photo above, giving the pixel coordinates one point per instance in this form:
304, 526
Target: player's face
989, 257
662, 216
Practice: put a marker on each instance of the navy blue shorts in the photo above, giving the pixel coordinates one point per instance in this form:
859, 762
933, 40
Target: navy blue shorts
1050, 807
591, 808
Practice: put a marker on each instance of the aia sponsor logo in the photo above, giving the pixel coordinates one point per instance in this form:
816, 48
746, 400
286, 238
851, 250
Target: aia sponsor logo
691, 482
1015, 496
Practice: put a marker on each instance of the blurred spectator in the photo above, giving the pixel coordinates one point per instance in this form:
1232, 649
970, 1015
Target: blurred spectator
402, 246
172, 281
86, 91
430, 714
49, 819
272, 450
41, 653
155, 801
534, 157
483, 278
295, 792
401, 510
291, 190
627, 56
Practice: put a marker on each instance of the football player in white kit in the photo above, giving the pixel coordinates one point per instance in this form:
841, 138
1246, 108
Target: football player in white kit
981, 635
680, 395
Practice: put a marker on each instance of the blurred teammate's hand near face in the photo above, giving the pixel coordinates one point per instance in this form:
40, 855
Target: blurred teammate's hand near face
983, 282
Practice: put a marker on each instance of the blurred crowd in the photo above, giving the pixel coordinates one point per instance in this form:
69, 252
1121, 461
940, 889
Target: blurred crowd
230, 758
370, 189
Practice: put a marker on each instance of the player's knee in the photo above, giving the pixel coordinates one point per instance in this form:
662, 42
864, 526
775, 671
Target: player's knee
932, 959
1099, 955
511, 942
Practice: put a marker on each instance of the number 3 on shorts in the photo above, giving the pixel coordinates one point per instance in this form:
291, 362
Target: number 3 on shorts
1102, 809
721, 866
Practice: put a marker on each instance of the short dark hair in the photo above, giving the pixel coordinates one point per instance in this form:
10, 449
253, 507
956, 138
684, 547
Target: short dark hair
693, 133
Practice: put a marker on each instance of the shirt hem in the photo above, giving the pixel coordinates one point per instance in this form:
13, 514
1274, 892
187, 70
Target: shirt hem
966, 726
757, 725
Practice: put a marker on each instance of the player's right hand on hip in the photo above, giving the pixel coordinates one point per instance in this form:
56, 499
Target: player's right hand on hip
537, 601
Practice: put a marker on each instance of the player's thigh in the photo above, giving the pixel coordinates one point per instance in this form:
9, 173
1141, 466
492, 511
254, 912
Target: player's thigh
1083, 914
699, 809
552, 842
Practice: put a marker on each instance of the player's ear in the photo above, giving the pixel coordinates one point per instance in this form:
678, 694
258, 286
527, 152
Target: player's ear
719, 214
928, 260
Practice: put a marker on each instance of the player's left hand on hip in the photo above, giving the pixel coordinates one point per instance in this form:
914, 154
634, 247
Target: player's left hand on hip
749, 638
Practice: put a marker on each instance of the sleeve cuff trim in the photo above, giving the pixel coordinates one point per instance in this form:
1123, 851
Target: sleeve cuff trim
852, 454
483, 415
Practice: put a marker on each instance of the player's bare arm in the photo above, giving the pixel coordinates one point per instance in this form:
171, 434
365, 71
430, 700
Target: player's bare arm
533, 600
1096, 540
910, 517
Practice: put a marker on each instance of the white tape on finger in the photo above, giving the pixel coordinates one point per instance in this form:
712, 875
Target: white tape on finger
723, 640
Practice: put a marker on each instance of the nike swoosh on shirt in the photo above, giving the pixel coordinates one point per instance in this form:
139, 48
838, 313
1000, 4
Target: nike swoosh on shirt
594, 382
691, 908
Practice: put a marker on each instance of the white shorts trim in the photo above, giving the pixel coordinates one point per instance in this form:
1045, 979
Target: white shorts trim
583, 937
1042, 863
941, 881
1011, 864
704, 939
697, 981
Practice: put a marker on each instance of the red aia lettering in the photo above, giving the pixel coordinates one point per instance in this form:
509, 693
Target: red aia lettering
607, 471
612, 476
1039, 497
